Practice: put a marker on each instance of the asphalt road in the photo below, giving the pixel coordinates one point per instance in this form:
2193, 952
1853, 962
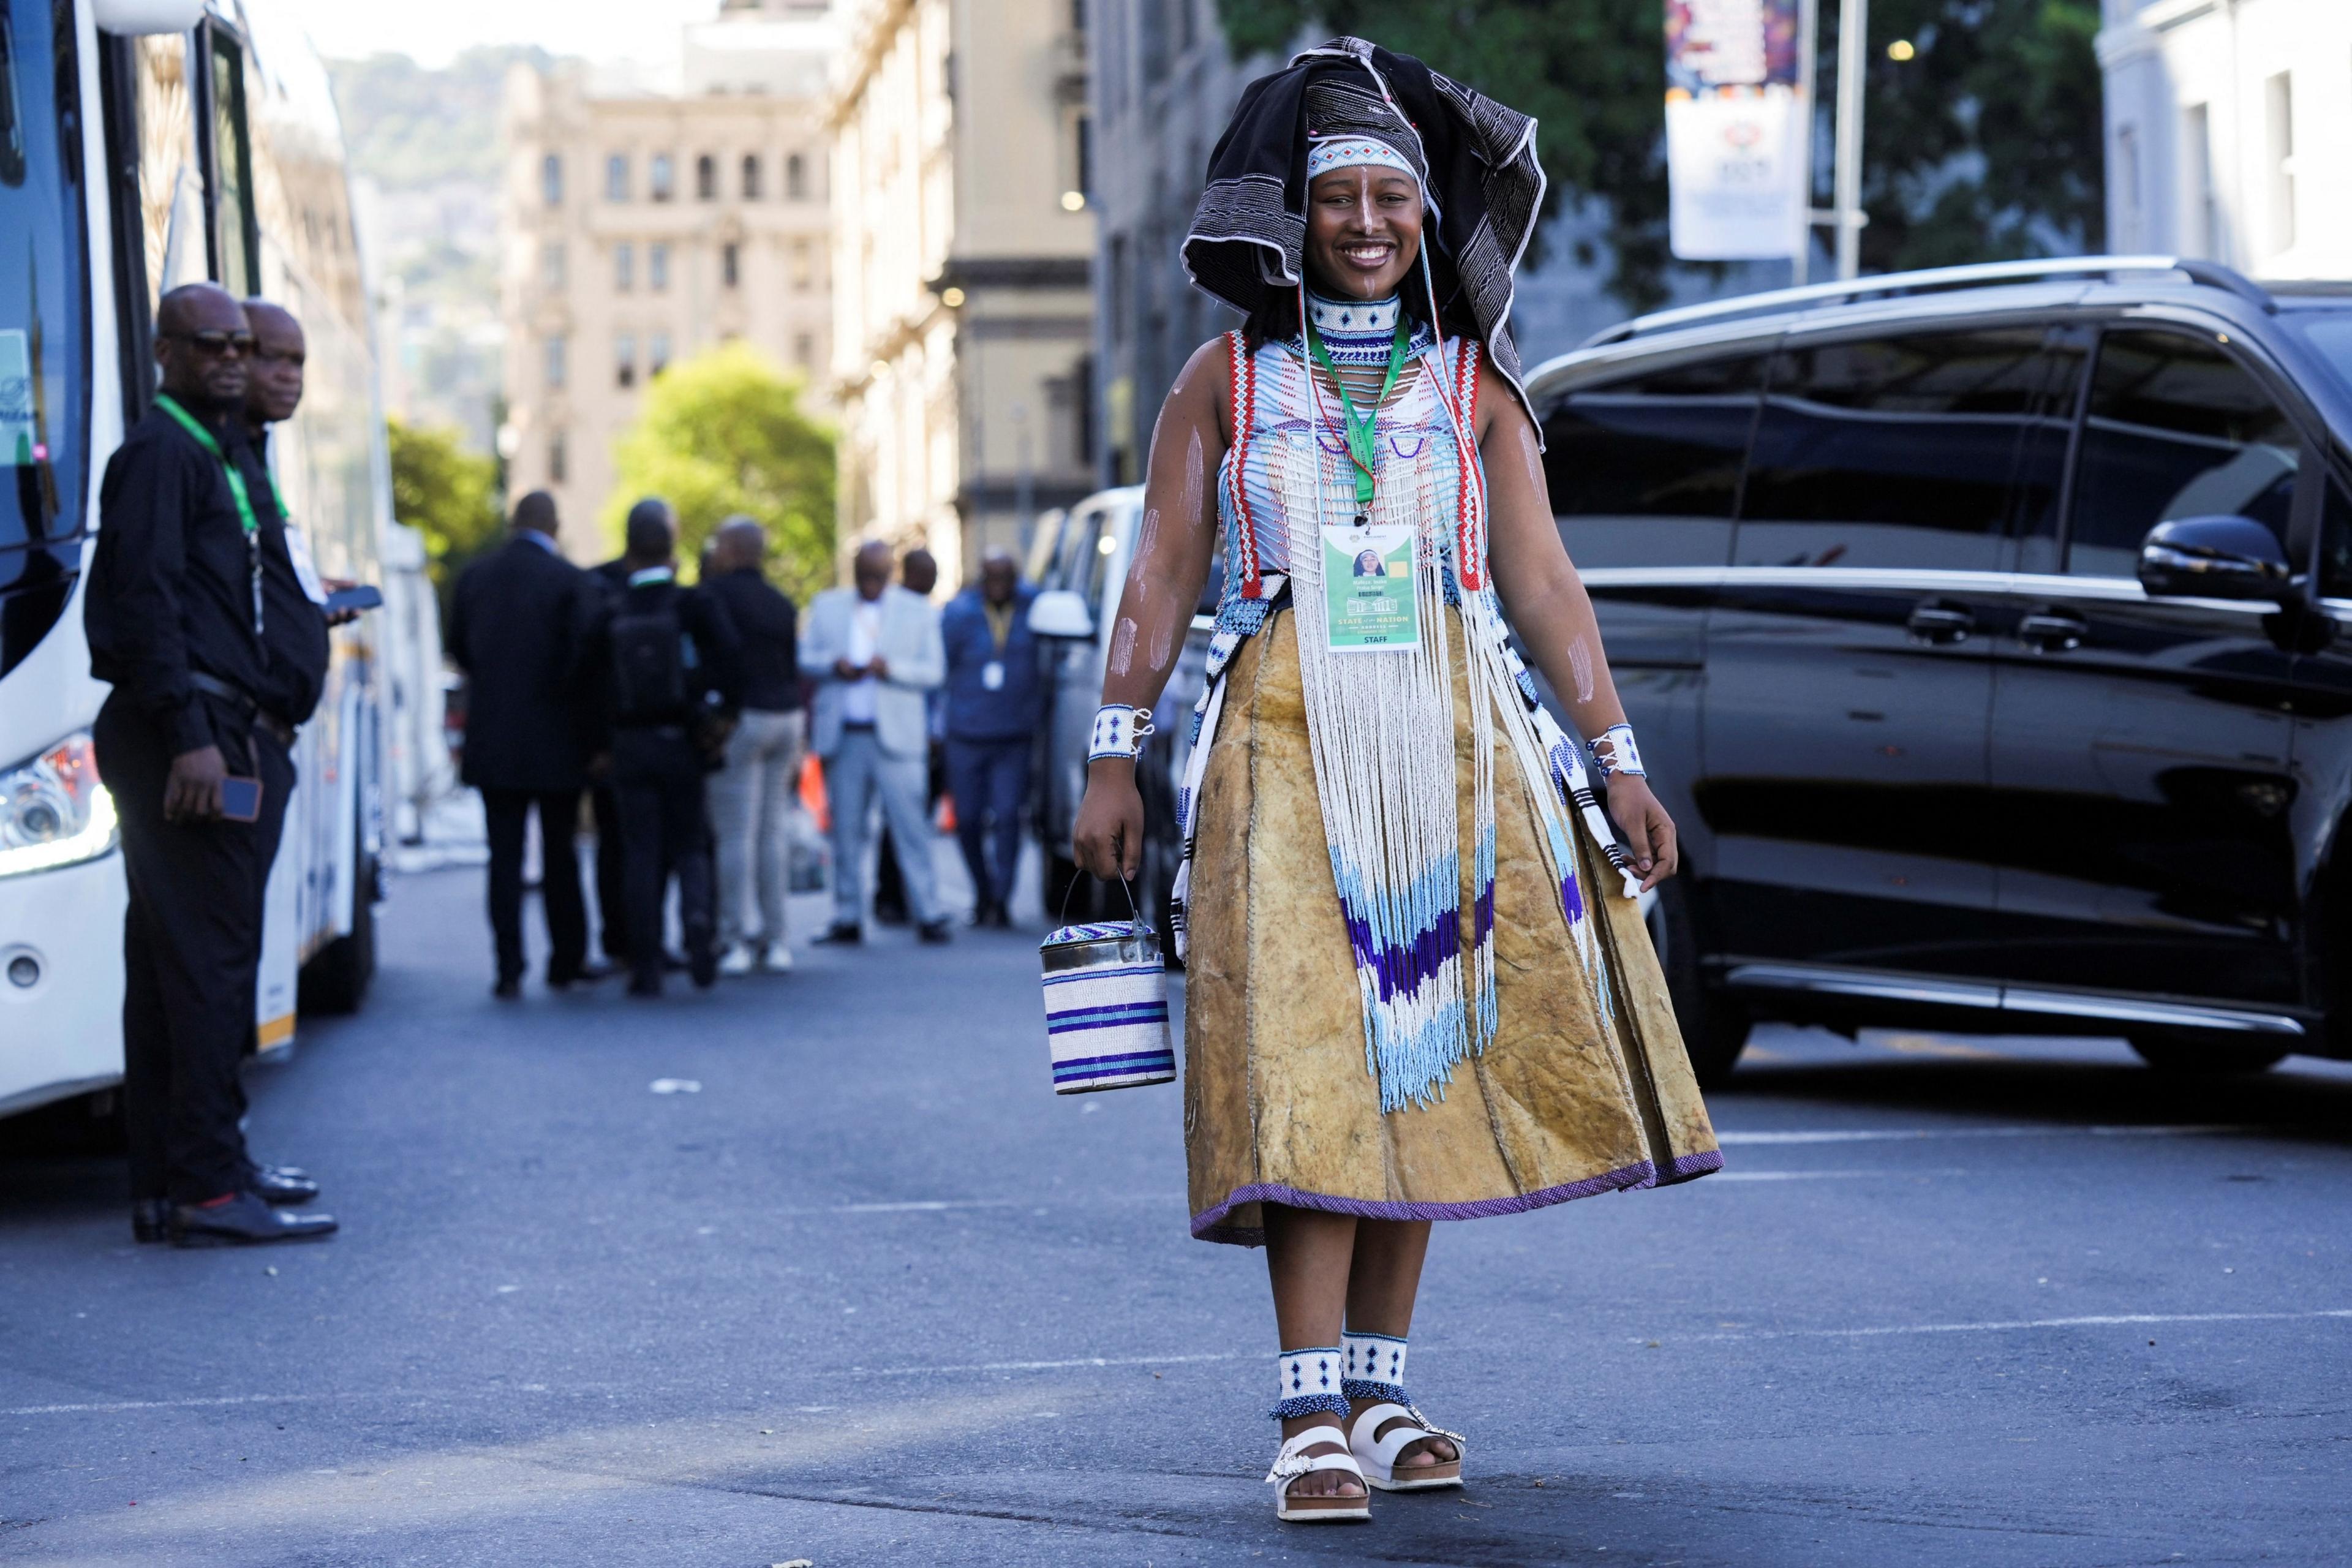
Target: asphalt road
871, 1295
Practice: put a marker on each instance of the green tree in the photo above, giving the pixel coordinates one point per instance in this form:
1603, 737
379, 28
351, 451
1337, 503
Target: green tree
722, 433
450, 494
1984, 145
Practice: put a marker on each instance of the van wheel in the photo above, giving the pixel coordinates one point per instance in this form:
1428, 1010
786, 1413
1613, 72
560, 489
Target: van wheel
2190, 1053
336, 981
1715, 1028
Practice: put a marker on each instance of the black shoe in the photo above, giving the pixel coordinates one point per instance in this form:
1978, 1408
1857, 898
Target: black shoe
282, 1186
841, 935
983, 914
703, 967
934, 934
509, 988
244, 1221
646, 985
1001, 918
151, 1219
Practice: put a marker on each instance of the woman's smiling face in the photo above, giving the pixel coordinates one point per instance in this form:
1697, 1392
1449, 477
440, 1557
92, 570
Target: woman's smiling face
1363, 231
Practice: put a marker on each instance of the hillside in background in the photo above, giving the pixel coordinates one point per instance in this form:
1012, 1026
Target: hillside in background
409, 127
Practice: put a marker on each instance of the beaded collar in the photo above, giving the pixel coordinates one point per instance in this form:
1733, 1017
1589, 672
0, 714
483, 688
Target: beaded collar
1357, 332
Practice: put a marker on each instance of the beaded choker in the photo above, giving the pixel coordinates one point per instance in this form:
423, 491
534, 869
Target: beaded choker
1358, 333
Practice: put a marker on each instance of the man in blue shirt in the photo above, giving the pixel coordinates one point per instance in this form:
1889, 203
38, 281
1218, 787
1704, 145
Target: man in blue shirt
995, 703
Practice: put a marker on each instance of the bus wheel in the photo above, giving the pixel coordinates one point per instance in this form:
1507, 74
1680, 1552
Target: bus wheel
336, 981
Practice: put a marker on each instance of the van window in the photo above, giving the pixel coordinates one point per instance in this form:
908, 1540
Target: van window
1890, 451
1665, 448
2040, 486
2175, 428
2336, 547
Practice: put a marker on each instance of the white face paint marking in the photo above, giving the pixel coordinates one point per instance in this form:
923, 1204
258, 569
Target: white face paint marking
1163, 643
1147, 538
1122, 646
1579, 664
1195, 461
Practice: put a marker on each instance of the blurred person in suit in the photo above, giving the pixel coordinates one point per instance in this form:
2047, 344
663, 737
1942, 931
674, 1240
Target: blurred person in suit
874, 650
994, 701
919, 573
752, 797
515, 628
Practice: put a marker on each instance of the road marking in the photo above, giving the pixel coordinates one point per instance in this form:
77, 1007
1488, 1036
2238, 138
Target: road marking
2054, 1130
2098, 1320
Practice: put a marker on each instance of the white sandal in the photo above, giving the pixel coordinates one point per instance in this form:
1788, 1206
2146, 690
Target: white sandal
1377, 1454
1294, 1461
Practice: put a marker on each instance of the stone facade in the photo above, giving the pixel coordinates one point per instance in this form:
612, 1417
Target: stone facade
640, 228
962, 243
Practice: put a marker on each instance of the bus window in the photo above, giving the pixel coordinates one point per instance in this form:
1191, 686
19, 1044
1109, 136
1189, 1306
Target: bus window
235, 258
44, 326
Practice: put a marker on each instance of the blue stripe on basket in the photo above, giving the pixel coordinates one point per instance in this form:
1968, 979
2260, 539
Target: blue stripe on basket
1129, 1070
1070, 976
1071, 1064
1120, 1020
1141, 1011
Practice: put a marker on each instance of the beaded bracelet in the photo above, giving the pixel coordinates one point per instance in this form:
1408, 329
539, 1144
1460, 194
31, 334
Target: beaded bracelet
1119, 731
1614, 751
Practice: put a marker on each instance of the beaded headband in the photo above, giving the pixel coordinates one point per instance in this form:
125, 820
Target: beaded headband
1353, 151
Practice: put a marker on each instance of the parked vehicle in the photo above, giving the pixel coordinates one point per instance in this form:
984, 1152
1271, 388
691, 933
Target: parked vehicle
1078, 561
1989, 633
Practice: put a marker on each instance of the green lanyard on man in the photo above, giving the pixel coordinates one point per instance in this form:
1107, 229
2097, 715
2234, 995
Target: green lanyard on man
1362, 443
237, 491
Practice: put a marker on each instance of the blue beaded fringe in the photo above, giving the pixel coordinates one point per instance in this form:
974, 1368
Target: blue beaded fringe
1364, 1388
1310, 1404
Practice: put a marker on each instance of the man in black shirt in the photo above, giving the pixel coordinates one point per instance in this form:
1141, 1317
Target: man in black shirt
668, 689
190, 568
751, 796
611, 579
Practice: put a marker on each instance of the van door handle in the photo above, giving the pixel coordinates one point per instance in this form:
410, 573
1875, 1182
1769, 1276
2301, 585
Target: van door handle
2047, 631
1942, 624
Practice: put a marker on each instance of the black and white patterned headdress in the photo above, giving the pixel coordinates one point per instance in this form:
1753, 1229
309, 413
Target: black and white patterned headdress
1476, 161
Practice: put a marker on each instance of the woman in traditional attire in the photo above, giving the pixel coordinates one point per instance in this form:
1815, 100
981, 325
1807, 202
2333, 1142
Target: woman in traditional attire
1419, 987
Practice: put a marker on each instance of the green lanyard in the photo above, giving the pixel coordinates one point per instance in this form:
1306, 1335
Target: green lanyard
203, 438
1361, 447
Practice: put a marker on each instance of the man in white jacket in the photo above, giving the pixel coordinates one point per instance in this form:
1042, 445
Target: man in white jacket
875, 651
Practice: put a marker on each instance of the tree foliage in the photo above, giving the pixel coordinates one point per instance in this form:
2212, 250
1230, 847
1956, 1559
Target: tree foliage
411, 126
723, 433
1985, 145
448, 494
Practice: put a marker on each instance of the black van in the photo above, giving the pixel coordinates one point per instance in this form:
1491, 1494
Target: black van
1989, 633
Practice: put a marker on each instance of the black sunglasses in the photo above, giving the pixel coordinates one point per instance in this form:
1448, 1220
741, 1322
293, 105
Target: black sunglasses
216, 341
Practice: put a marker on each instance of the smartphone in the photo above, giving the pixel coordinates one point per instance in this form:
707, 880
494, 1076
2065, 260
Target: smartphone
240, 799
365, 597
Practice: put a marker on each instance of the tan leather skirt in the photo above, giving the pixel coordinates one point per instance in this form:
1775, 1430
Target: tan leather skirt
1279, 1105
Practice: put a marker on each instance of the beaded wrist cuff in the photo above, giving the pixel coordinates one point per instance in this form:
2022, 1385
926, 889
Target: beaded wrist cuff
1119, 731
1310, 1384
1373, 1367
1614, 751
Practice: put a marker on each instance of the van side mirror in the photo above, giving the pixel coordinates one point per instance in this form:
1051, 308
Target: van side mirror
1061, 612
2215, 558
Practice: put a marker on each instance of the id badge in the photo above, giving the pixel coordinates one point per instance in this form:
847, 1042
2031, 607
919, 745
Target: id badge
306, 571
992, 675
1370, 598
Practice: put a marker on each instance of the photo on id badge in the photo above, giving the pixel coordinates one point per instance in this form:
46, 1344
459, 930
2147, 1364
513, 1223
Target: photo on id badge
1370, 601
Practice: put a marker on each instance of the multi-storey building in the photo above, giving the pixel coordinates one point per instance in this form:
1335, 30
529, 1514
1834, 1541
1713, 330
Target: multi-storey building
2228, 122
640, 228
963, 241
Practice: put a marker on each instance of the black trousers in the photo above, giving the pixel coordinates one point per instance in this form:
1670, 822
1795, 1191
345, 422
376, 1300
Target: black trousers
611, 877
191, 953
657, 785
509, 811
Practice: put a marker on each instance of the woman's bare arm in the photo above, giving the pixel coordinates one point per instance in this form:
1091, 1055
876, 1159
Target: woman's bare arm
1173, 546
1553, 615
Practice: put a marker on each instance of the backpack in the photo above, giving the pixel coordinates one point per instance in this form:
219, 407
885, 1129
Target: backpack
649, 664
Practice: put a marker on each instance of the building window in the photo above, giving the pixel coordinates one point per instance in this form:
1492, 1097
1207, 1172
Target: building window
662, 178
804, 349
803, 264
551, 180
551, 269
559, 465
2278, 114
625, 267
730, 264
2128, 237
616, 178
555, 363
657, 268
625, 360
657, 354
2202, 229
751, 176
706, 178
796, 178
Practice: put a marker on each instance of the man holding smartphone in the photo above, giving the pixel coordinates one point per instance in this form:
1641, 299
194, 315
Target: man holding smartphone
215, 647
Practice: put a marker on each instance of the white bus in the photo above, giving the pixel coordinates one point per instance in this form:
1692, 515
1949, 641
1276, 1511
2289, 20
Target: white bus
143, 144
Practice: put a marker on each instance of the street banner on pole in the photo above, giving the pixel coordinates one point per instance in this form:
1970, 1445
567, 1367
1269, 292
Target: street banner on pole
1734, 121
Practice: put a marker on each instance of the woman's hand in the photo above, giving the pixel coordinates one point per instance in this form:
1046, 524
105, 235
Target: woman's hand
1642, 823
1108, 837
